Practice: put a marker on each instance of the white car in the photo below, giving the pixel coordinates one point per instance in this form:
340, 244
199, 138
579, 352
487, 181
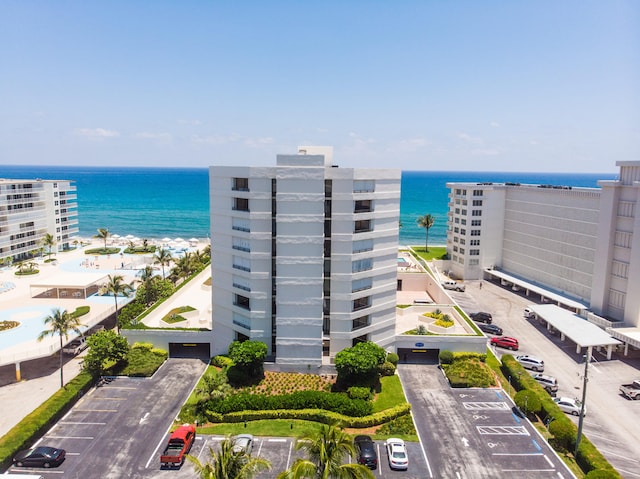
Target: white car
531, 362
397, 453
570, 406
243, 442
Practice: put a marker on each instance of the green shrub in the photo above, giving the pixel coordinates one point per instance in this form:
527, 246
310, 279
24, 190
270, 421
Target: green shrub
146, 346
387, 369
402, 425
564, 434
356, 392
393, 358
445, 356
80, 311
528, 401
602, 474
222, 361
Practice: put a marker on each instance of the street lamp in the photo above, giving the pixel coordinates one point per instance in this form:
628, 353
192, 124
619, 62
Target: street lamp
584, 400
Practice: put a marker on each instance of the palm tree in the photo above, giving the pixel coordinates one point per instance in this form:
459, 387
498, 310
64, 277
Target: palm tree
115, 285
326, 451
61, 324
146, 278
229, 464
163, 258
426, 222
49, 241
103, 234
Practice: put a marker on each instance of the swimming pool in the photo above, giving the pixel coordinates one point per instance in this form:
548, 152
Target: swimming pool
31, 319
402, 261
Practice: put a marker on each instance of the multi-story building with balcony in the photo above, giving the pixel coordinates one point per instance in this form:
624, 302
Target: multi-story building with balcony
583, 243
304, 256
30, 209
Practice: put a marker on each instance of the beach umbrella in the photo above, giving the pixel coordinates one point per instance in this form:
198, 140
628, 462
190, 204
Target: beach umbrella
165, 240
129, 236
135, 238
178, 240
193, 240
115, 236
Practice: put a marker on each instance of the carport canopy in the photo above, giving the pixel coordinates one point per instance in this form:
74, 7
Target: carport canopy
555, 297
574, 327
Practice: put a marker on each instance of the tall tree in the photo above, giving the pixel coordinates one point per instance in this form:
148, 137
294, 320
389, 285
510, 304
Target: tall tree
61, 323
229, 464
115, 285
103, 234
48, 240
326, 450
426, 222
105, 347
163, 258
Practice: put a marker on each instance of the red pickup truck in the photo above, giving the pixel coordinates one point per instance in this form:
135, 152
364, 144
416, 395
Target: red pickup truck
179, 444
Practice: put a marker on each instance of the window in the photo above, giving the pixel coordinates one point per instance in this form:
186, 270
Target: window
243, 264
477, 192
241, 244
241, 321
240, 184
361, 322
360, 339
475, 232
476, 222
455, 239
464, 212
241, 301
456, 220
474, 262
474, 252
463, 231
476, 213
463, 221
456, 230
474, 242
363, 186
241, 204
462, 241
362, 245
361, 284
361, 303
362, 226
461, 250
240, 224
241, 283
457, 211
361, 265
477, 202
363, 206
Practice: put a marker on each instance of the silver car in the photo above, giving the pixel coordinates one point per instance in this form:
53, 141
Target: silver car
243, 443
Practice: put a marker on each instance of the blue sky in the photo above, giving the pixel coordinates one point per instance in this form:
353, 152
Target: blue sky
417, 85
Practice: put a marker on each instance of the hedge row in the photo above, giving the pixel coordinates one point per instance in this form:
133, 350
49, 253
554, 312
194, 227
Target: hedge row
588, 457
316, 415
339, 403
39, 421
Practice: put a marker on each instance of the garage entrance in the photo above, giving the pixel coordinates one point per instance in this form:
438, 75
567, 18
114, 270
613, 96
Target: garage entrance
418, 356
190, 350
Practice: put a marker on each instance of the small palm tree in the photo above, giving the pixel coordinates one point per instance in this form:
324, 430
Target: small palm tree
326, 451
49, 241
229, 464
426, 222
61, 323
163, 258
115, 285
146, 278
103, 234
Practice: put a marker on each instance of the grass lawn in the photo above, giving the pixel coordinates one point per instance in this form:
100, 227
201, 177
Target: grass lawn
435, 252
391, 394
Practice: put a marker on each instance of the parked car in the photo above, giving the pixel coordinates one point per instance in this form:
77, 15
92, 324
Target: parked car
505, 342
397, 454
490, 328
549, 383
243, 443
482, 317
531, 362
367, 454
453, 285
570, 406
41, 456
631, 390
179, 445
76, 346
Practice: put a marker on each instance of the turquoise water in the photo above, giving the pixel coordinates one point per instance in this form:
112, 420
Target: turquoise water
159, 202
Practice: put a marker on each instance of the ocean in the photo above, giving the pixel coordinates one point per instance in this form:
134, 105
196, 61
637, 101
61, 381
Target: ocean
174, 202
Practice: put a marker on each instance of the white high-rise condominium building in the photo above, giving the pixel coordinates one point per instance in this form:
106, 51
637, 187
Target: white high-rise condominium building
29, 209
580, 242
304, 256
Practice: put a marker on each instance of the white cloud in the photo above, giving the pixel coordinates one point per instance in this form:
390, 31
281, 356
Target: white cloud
96, 133
412, 144
485, 152
494, 124
215, 139
469, 139
190, 122
258, 142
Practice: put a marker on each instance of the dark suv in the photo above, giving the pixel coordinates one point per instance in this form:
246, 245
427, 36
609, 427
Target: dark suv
367, 455
482, 317
490, 328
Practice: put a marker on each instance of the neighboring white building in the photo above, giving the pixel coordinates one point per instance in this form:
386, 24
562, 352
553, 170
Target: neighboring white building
583, 243
304, 255
29, 209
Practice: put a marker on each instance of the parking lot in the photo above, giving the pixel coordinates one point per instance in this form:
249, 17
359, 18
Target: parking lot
612, 422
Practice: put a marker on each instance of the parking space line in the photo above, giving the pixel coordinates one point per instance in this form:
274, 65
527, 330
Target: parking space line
96, 410
549, 461
619, 455
480, 406
289, 455
84, 423
505, 430
35, 471
627, 473
277, 440
111, 399
70, 437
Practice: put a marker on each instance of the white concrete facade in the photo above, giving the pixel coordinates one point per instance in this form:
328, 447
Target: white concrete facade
29, 209
583, 243
304, 255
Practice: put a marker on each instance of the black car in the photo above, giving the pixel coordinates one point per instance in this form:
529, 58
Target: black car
490, 328
367, 454
482, 317
41, 456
